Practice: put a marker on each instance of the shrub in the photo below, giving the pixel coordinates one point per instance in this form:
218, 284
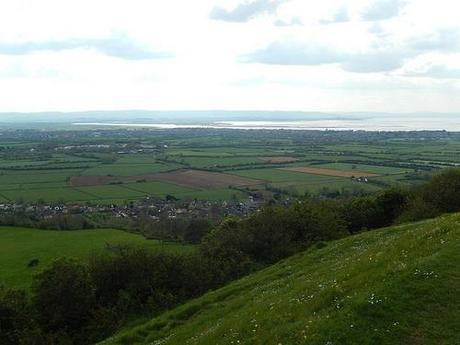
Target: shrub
64, 296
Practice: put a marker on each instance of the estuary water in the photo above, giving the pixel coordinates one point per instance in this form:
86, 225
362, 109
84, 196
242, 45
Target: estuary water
394, 122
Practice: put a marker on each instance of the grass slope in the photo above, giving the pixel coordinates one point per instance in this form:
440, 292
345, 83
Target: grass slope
19, 245
398, 285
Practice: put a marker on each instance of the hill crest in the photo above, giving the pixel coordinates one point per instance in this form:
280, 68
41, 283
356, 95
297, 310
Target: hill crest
389, 286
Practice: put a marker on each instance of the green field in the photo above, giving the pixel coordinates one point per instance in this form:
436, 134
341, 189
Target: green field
278, 175
48, 194
128, 169
110, 192
211, 162
18, 246
313, 187
391, 286
363, 167
40, 169
214, 194
159, 189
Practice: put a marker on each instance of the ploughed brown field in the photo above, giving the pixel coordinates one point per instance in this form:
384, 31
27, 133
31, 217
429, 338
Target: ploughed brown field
281, 159
331, 172
189, 178
80, 181
205, 179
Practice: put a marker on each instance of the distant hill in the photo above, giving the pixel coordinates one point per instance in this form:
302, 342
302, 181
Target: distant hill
398, 285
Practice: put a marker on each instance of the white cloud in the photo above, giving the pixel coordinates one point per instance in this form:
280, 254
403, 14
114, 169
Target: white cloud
340, 16
246, 10
295, 53
380, 55
383, 9
116, 45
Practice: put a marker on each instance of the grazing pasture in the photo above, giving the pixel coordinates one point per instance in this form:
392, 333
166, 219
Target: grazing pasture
127, 169
375, 169
331, 172
19, 246
54, 194
95, 180
216, 162
284, 175
160, 189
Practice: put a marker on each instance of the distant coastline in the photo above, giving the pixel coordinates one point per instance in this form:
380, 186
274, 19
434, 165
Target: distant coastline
369, 124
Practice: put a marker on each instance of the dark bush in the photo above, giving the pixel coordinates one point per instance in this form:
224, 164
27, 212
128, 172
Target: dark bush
64, 296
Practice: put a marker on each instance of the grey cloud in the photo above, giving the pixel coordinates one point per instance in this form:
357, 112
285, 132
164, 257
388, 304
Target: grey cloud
309, 53
341, 16
447, 39
437, 72
294, 21
117, 46
246, 10
383, 9
373, 62
294, 53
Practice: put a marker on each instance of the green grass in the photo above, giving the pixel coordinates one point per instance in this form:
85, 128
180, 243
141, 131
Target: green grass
18, 246
110, 192
128, 169
214, 194
278, 175
18, 164
331, 185
196, 153
35, 176
209, 162
47, 194
136, 159
364, 167
159, 189
391, 286
298, 183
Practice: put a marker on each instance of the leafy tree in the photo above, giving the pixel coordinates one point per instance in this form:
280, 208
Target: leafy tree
196, 230
443, 191
64, 296
14, 315
138, 280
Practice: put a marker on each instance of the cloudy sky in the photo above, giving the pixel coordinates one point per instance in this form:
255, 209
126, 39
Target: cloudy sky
333, 55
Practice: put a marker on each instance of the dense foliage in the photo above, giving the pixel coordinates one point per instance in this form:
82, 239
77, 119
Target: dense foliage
79, 303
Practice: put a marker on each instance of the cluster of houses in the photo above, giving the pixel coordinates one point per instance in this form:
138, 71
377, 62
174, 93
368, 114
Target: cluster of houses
153, 208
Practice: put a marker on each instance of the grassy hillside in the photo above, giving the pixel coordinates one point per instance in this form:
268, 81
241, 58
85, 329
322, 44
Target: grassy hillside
18, 246
398, 285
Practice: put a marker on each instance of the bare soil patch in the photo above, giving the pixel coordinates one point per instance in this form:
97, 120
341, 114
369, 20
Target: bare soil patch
280, 159
189, 178
331, 172
205, 179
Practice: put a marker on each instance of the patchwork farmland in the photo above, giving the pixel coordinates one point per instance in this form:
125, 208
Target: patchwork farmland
214, 167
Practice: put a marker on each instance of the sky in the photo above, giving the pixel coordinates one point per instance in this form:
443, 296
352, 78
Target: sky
333, 56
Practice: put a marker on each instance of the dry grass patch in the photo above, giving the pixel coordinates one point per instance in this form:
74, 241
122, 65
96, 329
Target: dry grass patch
280, 159
205, 179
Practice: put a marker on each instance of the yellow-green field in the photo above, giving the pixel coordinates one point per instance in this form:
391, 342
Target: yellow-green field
18, 246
